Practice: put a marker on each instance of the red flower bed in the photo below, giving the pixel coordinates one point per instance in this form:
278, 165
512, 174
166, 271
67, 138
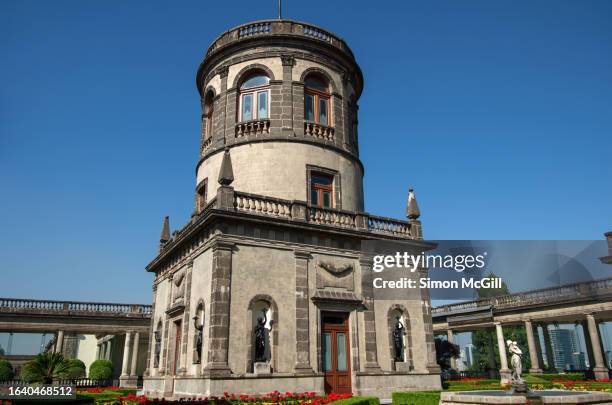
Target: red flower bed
98, 390
301, 398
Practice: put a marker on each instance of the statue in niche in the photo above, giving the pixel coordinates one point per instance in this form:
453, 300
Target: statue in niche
199, 339
179, 290
157, 335
260, 337
398, 340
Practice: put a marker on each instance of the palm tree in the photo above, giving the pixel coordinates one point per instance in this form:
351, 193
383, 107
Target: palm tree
45, 367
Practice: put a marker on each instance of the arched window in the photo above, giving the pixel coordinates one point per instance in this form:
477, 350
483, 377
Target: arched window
254, 100
209, 105
317, 106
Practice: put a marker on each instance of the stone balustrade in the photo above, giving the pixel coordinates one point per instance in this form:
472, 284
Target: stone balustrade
28, 305
569, 292
277, 27
322, 216
255, 127
262, 205
275, 207
319, 131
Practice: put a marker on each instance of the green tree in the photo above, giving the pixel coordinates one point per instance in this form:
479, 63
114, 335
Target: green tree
6, 370
486, 350
45, 367
76, 369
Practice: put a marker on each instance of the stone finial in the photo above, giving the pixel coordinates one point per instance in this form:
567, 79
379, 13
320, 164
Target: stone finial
165, 233
226, 174
412, 208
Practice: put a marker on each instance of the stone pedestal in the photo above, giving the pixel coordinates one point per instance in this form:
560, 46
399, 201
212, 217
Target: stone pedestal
505, 375
262, 368
402, 366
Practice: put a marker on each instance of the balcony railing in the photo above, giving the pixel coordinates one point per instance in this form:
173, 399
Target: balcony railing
27, 305
292, 210
551, 295
278, 27
248, 128
319, 131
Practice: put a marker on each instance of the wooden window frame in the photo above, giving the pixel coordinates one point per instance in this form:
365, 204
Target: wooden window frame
322, 188
317, 94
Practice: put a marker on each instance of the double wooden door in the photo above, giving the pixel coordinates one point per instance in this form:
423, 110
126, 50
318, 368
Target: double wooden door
335, 350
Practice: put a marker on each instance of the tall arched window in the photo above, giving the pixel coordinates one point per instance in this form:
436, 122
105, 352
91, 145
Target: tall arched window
317, 106
209, 105
254, 101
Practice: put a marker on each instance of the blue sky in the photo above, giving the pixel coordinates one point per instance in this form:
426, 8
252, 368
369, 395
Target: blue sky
499, 113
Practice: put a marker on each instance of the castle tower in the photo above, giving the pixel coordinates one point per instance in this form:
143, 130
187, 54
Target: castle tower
269, 277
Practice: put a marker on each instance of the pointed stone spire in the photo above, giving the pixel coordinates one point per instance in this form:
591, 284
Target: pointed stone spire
165, 233
226, 174
412, 208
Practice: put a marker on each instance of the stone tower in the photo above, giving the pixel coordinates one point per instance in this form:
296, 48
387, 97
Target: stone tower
268, 279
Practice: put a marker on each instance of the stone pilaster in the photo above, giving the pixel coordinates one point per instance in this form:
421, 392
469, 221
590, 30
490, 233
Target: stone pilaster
302, 337
186, 318
218, 326
231, 115
298, 108
220, 113
337, 120
432, 365
287, 124
367, 289
533, 348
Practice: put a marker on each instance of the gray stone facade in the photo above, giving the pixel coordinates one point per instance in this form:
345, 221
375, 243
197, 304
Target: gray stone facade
260, 247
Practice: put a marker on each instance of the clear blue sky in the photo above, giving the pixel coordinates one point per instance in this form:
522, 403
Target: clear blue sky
499, 113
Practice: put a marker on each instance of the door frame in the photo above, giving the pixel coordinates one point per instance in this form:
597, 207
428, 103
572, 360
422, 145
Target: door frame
345, 328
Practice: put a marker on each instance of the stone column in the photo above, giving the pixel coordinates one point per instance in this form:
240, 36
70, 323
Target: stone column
504, 371
135, 355
367, 290
98, 350
533, 349
59, 344
588, 344
539, 346
451, 339
125, 367
550, 357
600, 369
302, 330
218, 326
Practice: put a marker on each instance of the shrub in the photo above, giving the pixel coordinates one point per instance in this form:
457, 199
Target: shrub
76, 369
6, 370
101, 370
418, 397
45, 367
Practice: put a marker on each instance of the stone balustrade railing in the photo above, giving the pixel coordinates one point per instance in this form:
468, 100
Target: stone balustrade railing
319, 131
299, 210
551, 295
256, 204
25, 305
252, 128
277, 27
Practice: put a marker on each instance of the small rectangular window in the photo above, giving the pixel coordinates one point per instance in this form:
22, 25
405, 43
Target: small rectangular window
309, 107
247, 107
323, 111
321, 189
262, 104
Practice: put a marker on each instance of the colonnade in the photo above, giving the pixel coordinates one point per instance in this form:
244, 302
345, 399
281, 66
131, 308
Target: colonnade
592, 343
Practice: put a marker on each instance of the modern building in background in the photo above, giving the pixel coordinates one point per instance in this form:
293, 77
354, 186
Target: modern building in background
267, 286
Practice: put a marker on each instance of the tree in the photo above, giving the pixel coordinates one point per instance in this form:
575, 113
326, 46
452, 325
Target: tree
6, 370
486, 350
45, 367
445, 351
76, 369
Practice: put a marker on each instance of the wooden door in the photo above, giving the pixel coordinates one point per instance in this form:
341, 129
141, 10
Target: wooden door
177, 347
335, 350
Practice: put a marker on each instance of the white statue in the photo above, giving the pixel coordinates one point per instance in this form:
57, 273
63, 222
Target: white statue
515, 361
